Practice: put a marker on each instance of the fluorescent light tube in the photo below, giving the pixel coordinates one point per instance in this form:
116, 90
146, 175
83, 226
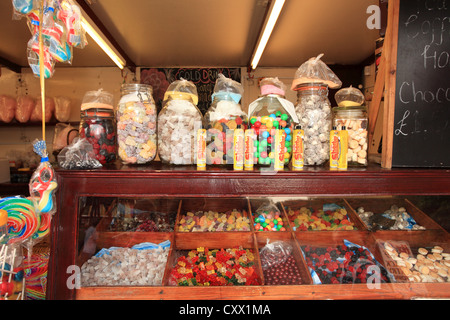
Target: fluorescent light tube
269, 24
102, 43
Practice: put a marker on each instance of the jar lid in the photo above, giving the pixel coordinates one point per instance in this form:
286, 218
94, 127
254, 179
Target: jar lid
97, 99
353, 110
98, 112
136, 87
349, 97
316, 71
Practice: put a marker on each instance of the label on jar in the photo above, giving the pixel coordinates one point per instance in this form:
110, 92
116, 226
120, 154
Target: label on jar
279, 149
343, 139
249, 146
201, 149
334, 149
297, 149
238, 149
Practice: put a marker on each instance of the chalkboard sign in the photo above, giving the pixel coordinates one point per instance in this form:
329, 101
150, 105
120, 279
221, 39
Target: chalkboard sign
421, 135
203, 78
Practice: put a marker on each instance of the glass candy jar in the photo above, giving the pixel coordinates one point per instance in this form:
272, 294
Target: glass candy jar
98, 125
136, 124
356, 122
223, 116
313, 110
266, 114
178, 123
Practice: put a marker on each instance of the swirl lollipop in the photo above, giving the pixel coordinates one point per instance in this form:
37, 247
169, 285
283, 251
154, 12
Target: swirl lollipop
22, 219
43, 182
44, 225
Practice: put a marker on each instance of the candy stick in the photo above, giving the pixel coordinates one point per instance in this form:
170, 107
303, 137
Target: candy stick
41, 67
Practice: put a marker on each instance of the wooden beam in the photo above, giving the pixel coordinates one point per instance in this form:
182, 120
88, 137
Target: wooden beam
390, 53
10, 65
376, 98
87, 9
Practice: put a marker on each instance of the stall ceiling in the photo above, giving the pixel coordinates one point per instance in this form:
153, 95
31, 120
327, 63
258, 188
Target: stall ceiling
213, 33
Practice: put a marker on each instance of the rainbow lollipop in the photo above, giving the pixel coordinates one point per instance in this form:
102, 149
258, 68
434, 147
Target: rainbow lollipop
44, 225
22, 219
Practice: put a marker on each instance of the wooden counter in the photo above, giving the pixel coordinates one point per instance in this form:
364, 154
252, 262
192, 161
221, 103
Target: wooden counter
157, 180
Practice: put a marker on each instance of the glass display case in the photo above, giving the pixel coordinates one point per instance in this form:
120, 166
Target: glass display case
162, 233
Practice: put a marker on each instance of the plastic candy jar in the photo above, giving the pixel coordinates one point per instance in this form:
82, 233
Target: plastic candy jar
352, 114
98, 124
271, 111
178, 123
314, 113
136, 124
311, 81
224, 115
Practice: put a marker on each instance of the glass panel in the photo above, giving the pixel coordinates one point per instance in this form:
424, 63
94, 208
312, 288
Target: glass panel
170, 241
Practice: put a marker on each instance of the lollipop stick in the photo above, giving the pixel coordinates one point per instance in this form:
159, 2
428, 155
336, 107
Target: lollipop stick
41, 67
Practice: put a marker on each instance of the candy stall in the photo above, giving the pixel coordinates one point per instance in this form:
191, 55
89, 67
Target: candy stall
269, 193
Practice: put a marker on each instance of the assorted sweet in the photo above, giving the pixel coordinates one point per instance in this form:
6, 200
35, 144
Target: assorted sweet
345, 263
314, 113
98, 125
267, 114
224, 267
11, 282
278, 264
199, 221
268, 218
395, 218
143, 222
178, 123
224, 115
333, 218
136, 124
357, 139
430, 264
137, 266
312, 80
265, 145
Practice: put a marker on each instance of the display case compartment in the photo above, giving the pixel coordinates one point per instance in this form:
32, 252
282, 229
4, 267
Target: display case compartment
107, 238
189, 239
262, 239
184, 242
123, 241
334, 239
256, 203
316, 204
410, 243
379, 205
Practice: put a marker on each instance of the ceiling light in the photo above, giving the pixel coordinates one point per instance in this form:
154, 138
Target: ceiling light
269, 24
102, 43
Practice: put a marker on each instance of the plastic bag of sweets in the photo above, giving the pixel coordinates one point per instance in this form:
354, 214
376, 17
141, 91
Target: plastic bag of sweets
25, 106
178, 123
272, 117
136, 124
7, 108
98, 124
224, 115
268, 218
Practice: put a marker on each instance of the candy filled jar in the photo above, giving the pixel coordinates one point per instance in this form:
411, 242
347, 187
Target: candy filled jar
98, 124
272, 118
356, 122
224, 115
136, 124
313, 109
178, 123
